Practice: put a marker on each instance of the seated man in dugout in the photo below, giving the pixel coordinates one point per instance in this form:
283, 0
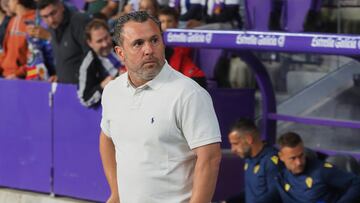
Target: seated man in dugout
311, 180
100, 66
261, 164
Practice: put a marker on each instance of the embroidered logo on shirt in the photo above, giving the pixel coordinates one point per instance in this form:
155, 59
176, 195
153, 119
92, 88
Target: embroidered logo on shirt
328, 165
287, 187
275, 159
256, 169
246, 166
309, 182
152, 120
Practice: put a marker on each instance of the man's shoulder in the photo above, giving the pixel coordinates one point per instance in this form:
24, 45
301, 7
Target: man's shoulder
183, 83
79, 20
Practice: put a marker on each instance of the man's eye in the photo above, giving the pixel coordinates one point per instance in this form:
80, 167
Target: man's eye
154, 41
137, 44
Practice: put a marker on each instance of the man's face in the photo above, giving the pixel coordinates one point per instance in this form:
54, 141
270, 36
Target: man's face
167, 21
53, 15
148, 6
239, 144
100, 41
293, 158
11, 6
142, 50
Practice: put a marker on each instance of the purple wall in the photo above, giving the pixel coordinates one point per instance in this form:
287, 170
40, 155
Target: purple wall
230, 105
79, 171
25, 135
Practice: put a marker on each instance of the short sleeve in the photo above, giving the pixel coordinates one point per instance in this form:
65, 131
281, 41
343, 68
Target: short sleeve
198, 120
105, 122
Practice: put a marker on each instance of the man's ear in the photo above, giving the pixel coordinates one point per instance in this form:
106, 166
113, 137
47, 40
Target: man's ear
249, 139
119, 51
280, 156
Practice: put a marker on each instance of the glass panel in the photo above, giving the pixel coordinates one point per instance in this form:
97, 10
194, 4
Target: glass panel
325, 137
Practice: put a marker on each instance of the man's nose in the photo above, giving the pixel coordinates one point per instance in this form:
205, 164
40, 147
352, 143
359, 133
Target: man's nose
148, 48
104, 44
50, 20
298, 162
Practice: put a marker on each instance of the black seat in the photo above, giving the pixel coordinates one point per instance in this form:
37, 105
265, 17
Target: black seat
345, 162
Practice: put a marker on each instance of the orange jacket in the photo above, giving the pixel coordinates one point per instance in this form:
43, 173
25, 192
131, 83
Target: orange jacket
15, 46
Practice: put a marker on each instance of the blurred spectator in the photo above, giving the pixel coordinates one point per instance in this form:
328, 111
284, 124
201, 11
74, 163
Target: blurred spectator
218, 14
179, 57
15, 43
189, 10
67, 38
150, 6
94, 6
106, 7
100, 65
4, 21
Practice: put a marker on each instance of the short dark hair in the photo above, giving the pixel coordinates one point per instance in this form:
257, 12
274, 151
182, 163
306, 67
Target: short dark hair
137, 16
95, 24
169, 11
289, 139
246, 125
44, 3
30, 4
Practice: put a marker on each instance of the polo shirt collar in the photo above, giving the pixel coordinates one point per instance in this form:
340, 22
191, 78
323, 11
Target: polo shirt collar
161, 78
155, 83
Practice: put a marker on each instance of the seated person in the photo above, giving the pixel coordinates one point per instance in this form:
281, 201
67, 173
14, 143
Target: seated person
219, 14
188, 9
4, 21
100, 65
150, 6
179, 57
261, 163
105, 7
311, 180
40, 60
14, 57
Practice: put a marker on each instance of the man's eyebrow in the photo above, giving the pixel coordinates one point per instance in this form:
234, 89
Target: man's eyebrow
137, 41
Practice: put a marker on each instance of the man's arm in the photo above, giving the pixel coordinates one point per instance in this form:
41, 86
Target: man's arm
107, 153
206, 172
272, 170
110, 8
349, 183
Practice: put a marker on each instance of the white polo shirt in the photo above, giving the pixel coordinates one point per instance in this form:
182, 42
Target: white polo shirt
154, 128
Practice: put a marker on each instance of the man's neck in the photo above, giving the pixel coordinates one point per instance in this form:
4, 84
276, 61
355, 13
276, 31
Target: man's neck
2, 17
135, 81
256, 148
20, 10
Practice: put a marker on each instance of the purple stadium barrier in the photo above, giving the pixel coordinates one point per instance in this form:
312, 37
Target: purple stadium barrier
25, 135
78, 169
231, 177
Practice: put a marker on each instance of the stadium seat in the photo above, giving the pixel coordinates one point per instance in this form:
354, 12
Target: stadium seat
206, 59
294, 14
345, 162
310, 154
257, 14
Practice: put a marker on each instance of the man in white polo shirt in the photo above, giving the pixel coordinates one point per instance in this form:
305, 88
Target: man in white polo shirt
160, 136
